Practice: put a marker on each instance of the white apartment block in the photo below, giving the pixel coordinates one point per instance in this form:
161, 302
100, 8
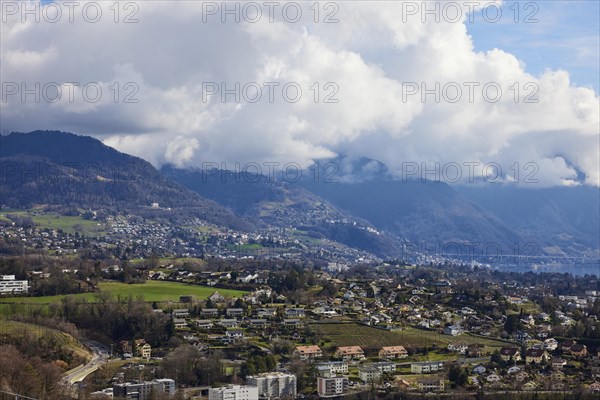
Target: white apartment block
330, 387
426, 367
273, 385
233, 392
9, 285
335, 367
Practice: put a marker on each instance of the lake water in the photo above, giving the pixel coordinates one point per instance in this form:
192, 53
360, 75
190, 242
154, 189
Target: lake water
574, 269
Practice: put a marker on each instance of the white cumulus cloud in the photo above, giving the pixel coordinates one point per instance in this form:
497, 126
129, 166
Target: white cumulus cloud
294, 91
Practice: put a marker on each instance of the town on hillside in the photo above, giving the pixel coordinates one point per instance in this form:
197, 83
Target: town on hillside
247, 329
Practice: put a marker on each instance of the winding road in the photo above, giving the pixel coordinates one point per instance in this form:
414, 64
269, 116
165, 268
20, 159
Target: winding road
100, 356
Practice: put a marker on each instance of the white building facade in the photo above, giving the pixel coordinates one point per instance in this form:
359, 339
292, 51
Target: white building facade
9, 285
233, 392
273, 385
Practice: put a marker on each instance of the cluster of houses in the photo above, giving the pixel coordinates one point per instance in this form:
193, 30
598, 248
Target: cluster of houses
232, 322
333, 375
135, 348
531, 358
383, 311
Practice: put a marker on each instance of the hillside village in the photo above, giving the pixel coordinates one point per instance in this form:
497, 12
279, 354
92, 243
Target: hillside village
321, 319
341, 329
132, 236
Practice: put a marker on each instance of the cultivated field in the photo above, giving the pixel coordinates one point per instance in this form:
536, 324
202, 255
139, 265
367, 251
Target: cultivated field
369, 338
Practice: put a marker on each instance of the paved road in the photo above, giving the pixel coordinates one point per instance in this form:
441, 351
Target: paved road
100, 356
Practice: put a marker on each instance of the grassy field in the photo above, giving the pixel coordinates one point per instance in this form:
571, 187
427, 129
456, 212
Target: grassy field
527, 307
151, 291
369, 338
69, 224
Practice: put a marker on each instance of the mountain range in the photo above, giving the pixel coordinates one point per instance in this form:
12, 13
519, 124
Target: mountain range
371, 211
63, 169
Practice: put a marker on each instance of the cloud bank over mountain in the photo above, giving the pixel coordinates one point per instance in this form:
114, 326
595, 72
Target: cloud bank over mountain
380, 80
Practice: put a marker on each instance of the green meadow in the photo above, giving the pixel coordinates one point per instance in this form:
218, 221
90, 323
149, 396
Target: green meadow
151, 291
68, 224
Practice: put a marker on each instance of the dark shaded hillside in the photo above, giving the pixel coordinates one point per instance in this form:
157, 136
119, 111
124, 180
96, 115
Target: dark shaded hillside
57, 168
283, 205
429, 213
565, 217
239, 192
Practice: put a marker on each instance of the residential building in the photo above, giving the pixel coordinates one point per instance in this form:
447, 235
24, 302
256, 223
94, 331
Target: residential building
333, 386
594, 388
295, 313
514, 369
550, 344
426, 367
458, 347
333, 367
229, 323
479, 370
384, 366
536, 356
510, 354
431, 385
308, 352
144, 390
235, 333
369, 373
204, 324
453, 330
143, 349
325, 371
103, 394
235, 312
179, 323
521, 336
9, 285
558, 363
209, 312
578, 350
246, 278
350, 353
273, 384
233, 392
257, 323
266, 312
181, 313
216, 297
393, 352
125, 346
292, 323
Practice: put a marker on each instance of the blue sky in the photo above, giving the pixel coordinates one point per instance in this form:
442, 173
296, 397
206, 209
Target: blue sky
567, 37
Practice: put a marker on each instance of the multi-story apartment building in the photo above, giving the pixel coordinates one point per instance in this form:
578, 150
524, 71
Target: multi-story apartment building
9, 285
233, 392
272, 385
144, 390
333, 386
